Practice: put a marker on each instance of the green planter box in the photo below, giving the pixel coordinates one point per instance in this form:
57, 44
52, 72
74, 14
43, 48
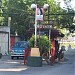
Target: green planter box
34, 61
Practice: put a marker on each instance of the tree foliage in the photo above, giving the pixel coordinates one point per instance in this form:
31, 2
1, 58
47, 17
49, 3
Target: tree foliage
67, 17
20, 10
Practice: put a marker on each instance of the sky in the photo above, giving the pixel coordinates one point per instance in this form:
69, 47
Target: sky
63, 5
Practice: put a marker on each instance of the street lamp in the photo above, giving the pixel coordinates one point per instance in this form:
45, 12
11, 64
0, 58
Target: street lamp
34, 6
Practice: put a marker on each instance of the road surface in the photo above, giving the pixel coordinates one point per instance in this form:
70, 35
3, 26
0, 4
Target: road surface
17, 67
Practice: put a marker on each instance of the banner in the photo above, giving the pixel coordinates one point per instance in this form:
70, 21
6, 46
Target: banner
39, 14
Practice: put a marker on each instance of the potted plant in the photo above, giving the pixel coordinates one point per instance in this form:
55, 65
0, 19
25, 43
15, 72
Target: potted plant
43, 43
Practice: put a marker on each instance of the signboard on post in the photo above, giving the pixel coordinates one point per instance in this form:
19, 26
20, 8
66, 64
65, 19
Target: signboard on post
39, 14
45, 26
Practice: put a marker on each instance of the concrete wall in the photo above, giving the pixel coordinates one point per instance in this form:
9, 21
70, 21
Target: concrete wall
4, 39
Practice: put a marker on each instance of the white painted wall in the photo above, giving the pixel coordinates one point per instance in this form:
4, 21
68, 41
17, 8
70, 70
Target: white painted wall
4, 39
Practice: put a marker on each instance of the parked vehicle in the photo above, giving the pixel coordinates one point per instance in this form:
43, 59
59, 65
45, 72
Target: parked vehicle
18, 49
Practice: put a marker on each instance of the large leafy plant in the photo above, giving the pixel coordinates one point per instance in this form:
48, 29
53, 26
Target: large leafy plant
43, 43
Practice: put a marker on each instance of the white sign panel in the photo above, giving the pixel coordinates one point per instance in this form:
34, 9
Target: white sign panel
39, 14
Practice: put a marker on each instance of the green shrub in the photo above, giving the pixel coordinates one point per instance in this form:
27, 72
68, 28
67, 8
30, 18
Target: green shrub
43, 43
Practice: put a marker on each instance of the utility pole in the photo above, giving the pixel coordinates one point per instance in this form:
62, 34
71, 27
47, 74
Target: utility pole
49, 21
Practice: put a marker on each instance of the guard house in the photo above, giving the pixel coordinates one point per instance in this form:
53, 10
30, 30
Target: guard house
44, 29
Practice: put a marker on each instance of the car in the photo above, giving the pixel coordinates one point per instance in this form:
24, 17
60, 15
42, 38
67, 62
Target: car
19, 48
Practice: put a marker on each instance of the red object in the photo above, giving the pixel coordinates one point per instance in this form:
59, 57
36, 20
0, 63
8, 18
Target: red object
53, 43
52, 55
53, 51
26, 54
12, 41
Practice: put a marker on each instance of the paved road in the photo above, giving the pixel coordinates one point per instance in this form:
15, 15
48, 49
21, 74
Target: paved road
17, 67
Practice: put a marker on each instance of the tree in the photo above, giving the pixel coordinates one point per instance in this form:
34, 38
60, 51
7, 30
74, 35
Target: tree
66, 20
18, 10
20, 13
